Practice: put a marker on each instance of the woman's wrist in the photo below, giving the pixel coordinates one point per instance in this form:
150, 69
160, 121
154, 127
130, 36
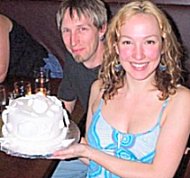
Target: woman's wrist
89, 152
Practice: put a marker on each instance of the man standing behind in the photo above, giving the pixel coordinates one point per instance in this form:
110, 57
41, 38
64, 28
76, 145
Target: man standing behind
83, 25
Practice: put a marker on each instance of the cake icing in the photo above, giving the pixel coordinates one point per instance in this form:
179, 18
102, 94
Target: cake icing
35, 125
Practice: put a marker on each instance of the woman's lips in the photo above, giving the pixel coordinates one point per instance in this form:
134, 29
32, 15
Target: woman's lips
139, 66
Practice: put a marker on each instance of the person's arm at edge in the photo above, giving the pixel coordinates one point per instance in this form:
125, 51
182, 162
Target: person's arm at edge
5, 27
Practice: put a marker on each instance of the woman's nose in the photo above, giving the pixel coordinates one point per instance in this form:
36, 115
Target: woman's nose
138, 52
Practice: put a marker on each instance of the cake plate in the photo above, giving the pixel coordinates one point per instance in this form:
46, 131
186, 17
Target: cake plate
73, 136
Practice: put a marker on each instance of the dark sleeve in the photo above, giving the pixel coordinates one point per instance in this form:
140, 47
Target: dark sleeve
66, 90
26, 54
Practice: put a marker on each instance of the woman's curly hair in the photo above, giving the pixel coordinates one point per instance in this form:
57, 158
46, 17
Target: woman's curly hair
165, 80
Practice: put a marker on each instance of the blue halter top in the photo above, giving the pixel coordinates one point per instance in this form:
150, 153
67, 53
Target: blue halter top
133, 147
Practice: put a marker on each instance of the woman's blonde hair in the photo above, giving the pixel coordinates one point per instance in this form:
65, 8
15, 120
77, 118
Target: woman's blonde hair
165, 80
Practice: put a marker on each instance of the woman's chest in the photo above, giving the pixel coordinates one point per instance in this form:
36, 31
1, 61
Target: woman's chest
132, 117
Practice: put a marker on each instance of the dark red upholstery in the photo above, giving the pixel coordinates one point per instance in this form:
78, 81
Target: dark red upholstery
38, 16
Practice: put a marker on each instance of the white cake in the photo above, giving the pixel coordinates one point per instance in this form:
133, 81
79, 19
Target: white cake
33, 125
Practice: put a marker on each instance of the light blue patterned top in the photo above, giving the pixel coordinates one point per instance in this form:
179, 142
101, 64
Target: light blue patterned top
134, 147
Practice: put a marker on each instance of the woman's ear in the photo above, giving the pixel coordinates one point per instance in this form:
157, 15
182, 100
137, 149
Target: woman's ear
116, 48
162, 51
162, 45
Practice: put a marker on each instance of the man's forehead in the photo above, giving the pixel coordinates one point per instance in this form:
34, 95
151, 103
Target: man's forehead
74, 14
77, 18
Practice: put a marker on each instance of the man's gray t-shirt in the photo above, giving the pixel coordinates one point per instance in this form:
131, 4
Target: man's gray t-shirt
76, 82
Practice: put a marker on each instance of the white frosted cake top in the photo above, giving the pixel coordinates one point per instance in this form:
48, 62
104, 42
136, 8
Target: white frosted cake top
34, 124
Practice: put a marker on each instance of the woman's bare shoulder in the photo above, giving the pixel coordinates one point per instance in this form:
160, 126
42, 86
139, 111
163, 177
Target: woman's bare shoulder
96, 89
183, 92
181, 98
97, 84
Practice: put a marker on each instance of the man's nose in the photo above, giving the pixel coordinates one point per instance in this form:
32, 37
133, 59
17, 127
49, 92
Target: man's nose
74, 39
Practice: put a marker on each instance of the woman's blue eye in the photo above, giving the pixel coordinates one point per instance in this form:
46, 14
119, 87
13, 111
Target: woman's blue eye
126, 42
150, 42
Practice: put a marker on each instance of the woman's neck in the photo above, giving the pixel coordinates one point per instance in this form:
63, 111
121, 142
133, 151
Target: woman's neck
139, 86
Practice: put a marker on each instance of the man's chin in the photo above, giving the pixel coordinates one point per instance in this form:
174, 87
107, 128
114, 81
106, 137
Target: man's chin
79, 59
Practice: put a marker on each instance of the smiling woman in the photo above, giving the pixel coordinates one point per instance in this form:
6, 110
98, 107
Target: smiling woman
139, 48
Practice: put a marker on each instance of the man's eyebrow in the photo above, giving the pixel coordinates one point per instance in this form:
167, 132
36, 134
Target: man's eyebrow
86, 25
78, 26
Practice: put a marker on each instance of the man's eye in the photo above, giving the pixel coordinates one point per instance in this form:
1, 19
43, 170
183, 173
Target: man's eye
65, 31
82, 29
